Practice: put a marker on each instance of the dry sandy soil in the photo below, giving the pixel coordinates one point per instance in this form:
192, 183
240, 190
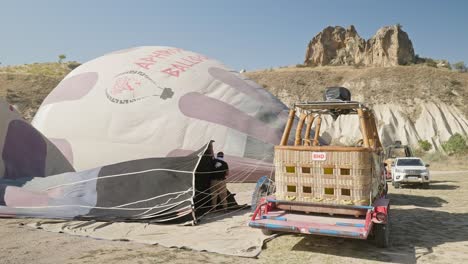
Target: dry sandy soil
428, 226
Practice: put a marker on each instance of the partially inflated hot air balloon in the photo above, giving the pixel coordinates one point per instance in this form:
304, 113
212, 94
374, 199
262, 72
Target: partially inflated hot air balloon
159, 101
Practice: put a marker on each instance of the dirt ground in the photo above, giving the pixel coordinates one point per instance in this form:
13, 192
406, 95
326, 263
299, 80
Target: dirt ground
428, 226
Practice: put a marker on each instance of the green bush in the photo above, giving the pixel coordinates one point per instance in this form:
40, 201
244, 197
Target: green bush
425, 145
455, 83
455, 145
460, 66
72, 65
431, 63
61, 57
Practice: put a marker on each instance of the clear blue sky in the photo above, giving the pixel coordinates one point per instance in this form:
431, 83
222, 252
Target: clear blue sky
242, 34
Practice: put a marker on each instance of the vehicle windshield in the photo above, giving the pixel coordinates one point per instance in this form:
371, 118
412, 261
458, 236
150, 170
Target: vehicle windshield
410, 162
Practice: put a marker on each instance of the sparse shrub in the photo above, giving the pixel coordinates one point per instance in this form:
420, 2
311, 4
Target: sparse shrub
61, 58
300, 82
358, 65
427, 61
460, 66
73, 65
425, 145
300, 65
418, 59
455, 83
455, 145
430, 62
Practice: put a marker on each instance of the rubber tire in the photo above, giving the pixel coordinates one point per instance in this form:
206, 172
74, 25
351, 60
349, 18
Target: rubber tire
397, 185
382, 235
425, 185
268, 232
261, 190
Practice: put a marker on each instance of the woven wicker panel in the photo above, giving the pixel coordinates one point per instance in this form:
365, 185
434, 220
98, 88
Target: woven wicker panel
327, 174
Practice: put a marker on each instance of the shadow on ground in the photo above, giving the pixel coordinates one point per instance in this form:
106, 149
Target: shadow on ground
434, 185
416, 200
414, 233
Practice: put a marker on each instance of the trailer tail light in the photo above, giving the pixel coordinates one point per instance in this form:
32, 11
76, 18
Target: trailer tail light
381, 217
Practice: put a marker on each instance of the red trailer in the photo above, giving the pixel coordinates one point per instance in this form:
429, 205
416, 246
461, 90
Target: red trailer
274, 215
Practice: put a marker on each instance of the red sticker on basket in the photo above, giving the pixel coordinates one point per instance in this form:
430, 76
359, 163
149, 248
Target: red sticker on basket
319, 156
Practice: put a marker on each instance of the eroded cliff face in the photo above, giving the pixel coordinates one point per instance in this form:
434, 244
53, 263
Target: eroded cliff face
435, 122
390, 46
411, 103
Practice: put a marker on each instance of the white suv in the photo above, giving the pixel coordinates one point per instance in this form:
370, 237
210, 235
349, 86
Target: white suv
410, 170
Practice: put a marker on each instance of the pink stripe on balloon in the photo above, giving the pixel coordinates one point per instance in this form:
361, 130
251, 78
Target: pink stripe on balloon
56, 193
240, 169
65, 147
18, 197
202, 107
256, 92
72, 88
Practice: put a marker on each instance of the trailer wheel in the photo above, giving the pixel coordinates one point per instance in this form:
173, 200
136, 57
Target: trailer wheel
263, 188
268, 232
382, 235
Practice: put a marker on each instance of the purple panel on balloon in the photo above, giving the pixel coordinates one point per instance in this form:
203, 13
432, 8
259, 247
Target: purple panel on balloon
24, 151
202, 107
256, 92
241, 169
72, 88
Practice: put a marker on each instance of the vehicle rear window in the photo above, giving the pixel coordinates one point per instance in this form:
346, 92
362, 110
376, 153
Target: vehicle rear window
409, 162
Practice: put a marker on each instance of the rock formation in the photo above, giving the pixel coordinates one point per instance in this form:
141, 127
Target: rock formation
390, 46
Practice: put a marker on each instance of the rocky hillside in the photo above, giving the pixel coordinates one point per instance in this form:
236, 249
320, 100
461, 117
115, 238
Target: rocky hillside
411, 102
390, 46
26, 86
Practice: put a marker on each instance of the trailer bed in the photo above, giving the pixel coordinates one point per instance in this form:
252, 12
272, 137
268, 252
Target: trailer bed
343, 226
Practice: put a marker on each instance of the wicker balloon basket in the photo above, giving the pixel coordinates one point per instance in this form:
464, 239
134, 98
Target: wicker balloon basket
336, 177
307, 172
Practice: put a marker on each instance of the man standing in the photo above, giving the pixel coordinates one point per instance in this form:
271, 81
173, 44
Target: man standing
218, 181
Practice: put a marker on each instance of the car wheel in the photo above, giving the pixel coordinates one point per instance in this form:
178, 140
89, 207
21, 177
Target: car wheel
425, 185
397, 185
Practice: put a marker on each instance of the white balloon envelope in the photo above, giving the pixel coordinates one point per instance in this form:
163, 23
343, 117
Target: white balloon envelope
162, 101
